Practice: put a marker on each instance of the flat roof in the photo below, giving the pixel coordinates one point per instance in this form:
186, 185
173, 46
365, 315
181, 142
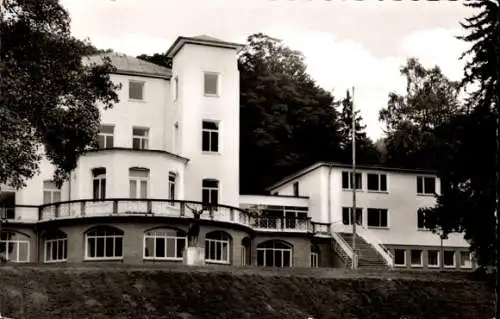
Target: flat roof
313, 167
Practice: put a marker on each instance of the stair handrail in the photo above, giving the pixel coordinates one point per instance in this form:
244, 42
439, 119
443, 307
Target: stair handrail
343, 244
375, 242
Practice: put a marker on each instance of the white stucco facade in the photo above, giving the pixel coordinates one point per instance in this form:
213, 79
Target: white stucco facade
323, 184
173, 140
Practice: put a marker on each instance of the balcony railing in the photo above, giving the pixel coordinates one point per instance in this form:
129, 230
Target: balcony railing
171, 208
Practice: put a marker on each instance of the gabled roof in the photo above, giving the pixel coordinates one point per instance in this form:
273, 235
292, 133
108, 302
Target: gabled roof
129, 65
201, 40
313, 167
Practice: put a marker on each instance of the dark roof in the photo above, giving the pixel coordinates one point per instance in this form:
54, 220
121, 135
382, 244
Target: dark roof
201, 40
313, 167
132, 66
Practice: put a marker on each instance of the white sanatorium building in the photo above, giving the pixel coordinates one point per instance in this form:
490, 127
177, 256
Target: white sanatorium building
171, 145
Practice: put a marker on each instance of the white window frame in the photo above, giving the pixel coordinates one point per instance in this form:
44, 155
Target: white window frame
17, 244
143, 90
358, 209
243, 251
211, 191
176, 88
217, 94
138, 183
106, 136
404, 257
314, 260
454, 259
52, 191
100, 178
172, 181
154, 235
211, 133
379, 179
143, 139
438, 259
380, 210
350, 180
219, 245
421, 264
469, 265
418, 226
282, 251
50, 244
105, 236
424, 191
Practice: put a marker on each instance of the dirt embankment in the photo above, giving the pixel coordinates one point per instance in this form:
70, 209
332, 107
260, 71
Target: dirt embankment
77, 293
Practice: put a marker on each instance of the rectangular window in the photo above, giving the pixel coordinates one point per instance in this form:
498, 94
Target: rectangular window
377, 217
51, 194
465, 259
399, 257
56, 250
138, 182
106, 136
211, 83
136, 90
433, 258
210, 191
377, 182
140, 138
210, 136
347, 216
449, 259
314, 260
426, 185
347, 182
171, 185
99, 183
7, 205
421, 220
296, 189
176, 88
416, 258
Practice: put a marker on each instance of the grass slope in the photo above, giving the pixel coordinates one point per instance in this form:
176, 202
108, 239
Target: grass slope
85, 292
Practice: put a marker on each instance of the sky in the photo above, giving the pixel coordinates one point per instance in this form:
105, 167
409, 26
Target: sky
346, 43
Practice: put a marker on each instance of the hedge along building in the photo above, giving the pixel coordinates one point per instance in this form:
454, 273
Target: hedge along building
170, 147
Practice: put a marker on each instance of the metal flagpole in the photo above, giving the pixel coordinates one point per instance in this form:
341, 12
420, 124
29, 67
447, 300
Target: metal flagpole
353, 185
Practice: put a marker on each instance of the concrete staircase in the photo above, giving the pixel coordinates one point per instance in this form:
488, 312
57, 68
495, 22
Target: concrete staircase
368, 257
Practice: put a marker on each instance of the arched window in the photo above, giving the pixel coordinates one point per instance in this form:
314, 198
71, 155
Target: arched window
56, 247
14, 246
217, 247
274, 253
99, 183
314, 256
164, 244
104, 242
138, 182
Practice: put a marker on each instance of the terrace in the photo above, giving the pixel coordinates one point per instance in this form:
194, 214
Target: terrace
265, 219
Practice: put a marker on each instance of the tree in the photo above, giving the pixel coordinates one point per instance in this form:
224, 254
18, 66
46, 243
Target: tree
160, 59
467, 202
413, 120
287, 121
49, 96
366, 152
